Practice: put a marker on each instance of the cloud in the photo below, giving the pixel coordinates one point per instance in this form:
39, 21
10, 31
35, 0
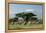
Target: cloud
27, 10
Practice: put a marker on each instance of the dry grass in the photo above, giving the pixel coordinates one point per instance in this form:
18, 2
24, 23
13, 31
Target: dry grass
22, 26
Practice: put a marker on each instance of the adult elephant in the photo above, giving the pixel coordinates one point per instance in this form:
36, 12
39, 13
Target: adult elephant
13, 20
34, 20
20, 20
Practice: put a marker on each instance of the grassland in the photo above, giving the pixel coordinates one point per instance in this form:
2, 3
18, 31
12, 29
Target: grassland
22, 26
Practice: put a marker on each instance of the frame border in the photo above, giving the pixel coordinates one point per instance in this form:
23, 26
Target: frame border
23, 2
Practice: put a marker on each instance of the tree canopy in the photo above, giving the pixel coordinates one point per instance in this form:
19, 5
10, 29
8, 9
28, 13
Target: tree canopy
25, 14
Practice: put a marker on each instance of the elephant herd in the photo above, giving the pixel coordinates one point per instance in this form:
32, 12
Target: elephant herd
21, 20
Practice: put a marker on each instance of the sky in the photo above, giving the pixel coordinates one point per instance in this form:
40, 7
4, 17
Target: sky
18, 8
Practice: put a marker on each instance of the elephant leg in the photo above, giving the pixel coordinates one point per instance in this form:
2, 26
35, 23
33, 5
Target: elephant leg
25, 23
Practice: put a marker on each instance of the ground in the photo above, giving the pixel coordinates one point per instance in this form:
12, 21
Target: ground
22, 26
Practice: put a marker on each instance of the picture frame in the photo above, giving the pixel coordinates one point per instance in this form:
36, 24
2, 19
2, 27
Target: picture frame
7, 2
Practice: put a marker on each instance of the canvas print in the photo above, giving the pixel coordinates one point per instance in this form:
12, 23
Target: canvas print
25, 16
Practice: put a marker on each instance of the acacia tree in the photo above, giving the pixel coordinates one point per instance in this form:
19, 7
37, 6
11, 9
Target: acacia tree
27, 15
